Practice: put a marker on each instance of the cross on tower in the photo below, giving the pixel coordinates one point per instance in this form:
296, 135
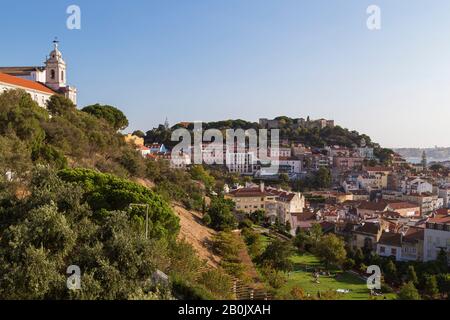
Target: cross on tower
56, 42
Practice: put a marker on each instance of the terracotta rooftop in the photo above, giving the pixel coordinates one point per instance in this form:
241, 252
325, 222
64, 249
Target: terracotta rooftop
369, 228
391, 239
414, 234
402, 205
267, 192
440, 219
25, 84
372, 205
377, 169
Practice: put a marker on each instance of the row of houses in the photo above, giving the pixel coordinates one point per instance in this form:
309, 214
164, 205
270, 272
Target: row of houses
420, 242
280, 206
389, 228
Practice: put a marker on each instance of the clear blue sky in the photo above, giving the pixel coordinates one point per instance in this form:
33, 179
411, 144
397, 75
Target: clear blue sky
220, 59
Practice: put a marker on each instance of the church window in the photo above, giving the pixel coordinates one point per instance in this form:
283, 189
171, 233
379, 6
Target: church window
52, 74
62, 75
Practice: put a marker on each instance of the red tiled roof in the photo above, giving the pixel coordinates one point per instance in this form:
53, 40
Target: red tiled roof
402, 205
374, 206
25, 84
440, 219
256, 192
391, 239
377, 169
369, 228
443, 212
414, 234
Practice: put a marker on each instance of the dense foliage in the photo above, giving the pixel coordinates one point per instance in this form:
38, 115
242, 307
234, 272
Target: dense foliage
53, 214
55, 227
112, 115
60, 136
107, 192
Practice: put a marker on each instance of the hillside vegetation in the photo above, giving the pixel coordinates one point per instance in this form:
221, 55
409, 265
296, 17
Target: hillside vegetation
68, 197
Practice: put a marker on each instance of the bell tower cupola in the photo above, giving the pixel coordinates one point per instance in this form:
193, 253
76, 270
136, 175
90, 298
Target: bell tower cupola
55, 68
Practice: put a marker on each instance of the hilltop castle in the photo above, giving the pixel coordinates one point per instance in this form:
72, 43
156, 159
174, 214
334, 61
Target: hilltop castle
40, 82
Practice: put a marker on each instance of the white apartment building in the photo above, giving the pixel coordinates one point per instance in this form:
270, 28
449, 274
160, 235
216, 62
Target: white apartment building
279, 205
242, 163
437, 237
281, 152
416, 186
444, 194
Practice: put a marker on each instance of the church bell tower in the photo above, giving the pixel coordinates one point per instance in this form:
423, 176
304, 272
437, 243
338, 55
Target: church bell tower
55, 68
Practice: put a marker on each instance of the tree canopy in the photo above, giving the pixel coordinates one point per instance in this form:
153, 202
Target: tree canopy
111, 114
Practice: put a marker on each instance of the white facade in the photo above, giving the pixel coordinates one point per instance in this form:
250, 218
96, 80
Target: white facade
416, 186
242, 163
290, 166
180, 161
384, 250
437, 237
444, 194
366, 152
280, 152
38, 96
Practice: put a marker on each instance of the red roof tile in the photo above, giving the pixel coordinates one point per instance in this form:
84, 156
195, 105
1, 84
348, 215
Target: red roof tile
25, 84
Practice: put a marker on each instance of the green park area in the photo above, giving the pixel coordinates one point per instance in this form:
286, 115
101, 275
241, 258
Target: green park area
305, 265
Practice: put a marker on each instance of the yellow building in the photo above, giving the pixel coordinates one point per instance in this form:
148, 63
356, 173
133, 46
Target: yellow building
134, 140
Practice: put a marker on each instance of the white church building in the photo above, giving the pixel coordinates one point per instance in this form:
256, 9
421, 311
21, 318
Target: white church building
40, 82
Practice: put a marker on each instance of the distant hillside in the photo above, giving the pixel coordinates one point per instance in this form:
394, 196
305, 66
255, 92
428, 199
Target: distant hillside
313, 137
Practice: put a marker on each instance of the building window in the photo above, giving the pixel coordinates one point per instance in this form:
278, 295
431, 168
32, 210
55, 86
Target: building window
394, 251
52, 74
382, 249
62, 75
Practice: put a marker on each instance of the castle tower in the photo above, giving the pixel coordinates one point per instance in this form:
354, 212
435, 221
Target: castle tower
55, 69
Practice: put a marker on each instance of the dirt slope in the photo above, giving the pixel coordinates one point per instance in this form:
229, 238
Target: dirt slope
196, 234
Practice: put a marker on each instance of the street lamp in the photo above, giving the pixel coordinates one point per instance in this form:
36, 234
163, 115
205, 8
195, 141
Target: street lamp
146, 206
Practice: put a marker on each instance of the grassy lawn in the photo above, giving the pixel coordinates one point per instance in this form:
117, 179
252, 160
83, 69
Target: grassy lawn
304, 279
265, 240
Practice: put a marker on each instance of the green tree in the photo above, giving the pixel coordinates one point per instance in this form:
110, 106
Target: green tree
199, 173
431, 286
348, 264
59, 105
110, 114
258, 216
411, 275
139, 133
277, 255
442, 260
107, 192
323, 178
408, 292
390, 271
221, 213
315, 234
358, 256
254, 242
331, 250
301, 240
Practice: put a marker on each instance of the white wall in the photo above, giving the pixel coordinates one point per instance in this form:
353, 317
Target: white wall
434, 240
40, 97
388, 251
